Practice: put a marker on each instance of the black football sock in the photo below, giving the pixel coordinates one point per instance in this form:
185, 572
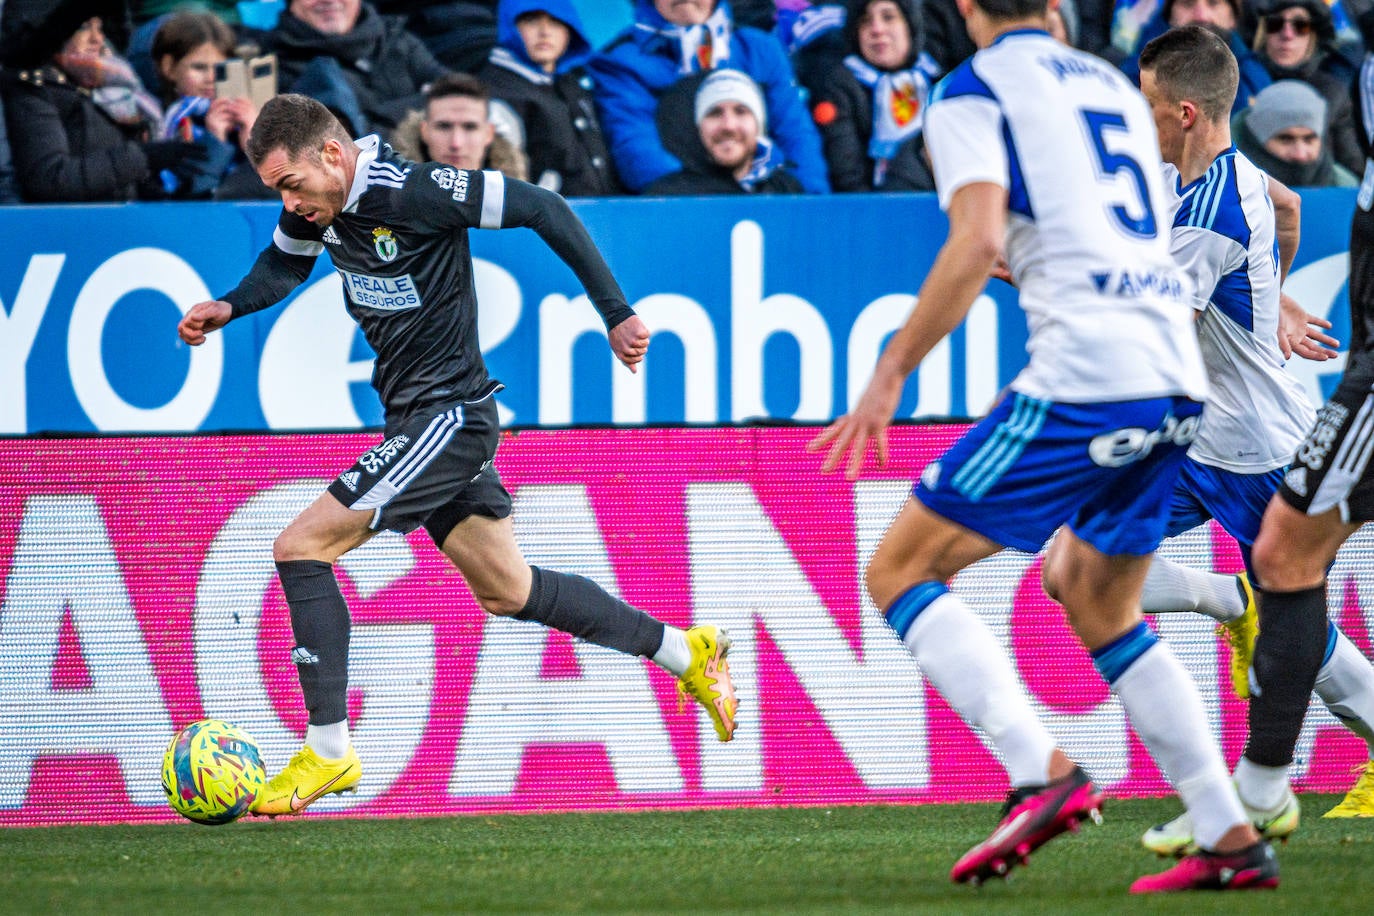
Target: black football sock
1288, 654
579, 606
320, 622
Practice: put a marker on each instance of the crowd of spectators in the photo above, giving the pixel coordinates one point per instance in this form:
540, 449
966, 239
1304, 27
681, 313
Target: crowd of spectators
116, 100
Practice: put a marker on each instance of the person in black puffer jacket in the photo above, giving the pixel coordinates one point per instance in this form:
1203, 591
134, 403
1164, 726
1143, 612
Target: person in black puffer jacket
871, 105
539, 70
81, 126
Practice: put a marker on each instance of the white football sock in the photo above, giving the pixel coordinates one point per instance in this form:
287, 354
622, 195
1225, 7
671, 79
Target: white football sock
1171, 586
329, 741
674, 655
963, 660
1262, 788
1346, 685
1166, 710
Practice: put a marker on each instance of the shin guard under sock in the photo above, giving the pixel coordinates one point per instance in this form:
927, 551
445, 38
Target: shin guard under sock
1288, 654
320, 622
579, 606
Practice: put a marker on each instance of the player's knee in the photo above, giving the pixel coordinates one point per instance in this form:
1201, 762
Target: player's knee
1268, 560
287, 547
883, 584
1050, 579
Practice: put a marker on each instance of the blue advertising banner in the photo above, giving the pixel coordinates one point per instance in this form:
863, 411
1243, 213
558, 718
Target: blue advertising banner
770, 308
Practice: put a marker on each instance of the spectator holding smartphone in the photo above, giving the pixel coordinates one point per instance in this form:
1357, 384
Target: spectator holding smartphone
186, 50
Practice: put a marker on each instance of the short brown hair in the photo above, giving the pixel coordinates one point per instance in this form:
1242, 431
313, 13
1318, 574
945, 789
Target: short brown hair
1193, 62
457, 85
295, 123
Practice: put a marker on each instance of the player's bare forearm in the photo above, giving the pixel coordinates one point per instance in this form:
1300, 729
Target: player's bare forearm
960, 271
1287, 223
201, 319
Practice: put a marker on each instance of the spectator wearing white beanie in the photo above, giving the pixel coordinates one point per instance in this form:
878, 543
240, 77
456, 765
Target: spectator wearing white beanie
731, 86
731, 120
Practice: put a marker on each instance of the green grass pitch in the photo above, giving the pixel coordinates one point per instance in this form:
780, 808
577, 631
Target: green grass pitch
782, 860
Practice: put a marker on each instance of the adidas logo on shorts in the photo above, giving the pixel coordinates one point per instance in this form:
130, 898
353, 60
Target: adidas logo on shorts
350, 480
1296, 480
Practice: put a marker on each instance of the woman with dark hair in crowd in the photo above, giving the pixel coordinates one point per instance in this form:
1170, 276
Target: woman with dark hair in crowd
870, 106
1295, 41
185, 50
81, 125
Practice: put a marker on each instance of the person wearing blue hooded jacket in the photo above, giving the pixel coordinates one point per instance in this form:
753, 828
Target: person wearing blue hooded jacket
539, 69
647, 78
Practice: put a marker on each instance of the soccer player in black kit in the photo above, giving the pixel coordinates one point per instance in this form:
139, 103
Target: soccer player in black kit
396, 232
1326, 495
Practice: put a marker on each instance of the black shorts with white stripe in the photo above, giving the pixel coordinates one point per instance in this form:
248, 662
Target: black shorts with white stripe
1332, 467
435, 470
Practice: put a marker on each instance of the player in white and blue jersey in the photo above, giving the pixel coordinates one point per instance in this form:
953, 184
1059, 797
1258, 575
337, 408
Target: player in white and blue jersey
1224, 235
1050, 155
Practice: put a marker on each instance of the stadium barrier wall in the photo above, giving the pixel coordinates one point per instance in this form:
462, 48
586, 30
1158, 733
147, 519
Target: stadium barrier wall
773, 307
137, 593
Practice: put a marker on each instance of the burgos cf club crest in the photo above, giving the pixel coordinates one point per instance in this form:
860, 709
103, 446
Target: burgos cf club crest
906, 102
385, 243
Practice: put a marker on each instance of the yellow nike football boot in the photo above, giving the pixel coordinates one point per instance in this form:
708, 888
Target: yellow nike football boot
306, 778
1240, 635
707, 678
1359, 801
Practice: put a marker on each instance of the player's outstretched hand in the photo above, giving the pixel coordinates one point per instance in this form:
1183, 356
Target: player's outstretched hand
203, 318
630, 341
866, 423
1300, 332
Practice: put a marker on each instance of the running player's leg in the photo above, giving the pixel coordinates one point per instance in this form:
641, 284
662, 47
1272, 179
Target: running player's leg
1099, 596
1291, 556
484, 550
305, 554
1003, 483
955, 649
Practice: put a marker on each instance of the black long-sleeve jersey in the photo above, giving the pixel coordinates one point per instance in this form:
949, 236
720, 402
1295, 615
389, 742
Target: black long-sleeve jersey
1362, 225
401, 247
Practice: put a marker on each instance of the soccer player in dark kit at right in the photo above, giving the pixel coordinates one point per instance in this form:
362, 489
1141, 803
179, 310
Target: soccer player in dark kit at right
396, 232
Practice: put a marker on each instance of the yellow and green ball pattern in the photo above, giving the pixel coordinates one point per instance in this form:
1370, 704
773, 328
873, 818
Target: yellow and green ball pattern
212, 772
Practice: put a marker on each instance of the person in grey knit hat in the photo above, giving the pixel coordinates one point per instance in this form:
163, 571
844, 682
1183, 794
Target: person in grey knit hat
1284, 133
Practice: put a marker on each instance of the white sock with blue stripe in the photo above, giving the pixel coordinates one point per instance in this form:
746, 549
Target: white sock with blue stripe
1165, 708
959, 655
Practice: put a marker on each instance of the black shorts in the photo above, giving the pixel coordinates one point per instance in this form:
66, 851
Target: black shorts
435, 469
1332, 468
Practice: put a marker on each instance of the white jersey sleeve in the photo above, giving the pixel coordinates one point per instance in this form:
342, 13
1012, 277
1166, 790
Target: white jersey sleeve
964, 138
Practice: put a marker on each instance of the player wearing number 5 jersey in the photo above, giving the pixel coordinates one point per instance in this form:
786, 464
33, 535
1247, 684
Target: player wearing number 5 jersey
396, 232
1050, 155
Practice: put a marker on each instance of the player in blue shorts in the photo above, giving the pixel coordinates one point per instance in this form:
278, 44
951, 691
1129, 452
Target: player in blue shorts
1225, 236
1050, 154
